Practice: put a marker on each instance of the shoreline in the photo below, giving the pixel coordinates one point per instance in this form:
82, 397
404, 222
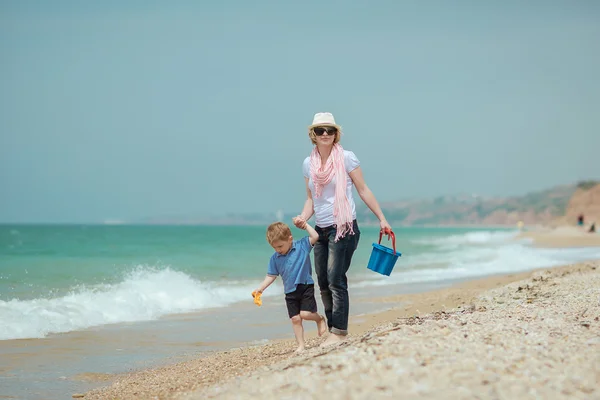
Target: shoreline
206, 370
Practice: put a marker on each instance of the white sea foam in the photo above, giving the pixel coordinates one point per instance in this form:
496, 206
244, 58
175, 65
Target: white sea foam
144, 294
474, 254
470, 238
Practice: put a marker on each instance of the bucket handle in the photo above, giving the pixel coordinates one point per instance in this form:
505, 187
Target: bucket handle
388, 233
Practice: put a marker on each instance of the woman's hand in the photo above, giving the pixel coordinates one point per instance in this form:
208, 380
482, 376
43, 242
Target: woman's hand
299, 222
386, 229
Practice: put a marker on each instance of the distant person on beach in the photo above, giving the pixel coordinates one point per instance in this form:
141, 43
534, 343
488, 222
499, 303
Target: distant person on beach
580, 220
592, 228
330, 172
291, 260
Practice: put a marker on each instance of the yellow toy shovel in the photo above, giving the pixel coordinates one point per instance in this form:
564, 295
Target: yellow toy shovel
257, 299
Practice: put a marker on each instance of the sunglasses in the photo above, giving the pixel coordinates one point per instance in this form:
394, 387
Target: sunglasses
320, 130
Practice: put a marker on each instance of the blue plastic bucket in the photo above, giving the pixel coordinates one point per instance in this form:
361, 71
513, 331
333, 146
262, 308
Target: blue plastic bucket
383, 258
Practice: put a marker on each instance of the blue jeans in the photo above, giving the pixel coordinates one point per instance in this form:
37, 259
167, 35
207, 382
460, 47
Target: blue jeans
332, 261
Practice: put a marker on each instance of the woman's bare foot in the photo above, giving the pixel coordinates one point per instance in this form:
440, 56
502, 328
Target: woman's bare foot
332, 339
322, 326
300, 349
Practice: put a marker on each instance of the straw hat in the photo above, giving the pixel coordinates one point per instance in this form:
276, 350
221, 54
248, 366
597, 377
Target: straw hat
324, 119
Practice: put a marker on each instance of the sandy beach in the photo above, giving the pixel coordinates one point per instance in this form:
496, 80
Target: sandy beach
527, 335
564, 236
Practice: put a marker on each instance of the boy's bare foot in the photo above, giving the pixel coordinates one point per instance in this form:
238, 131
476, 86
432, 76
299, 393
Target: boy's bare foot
322, 326
300, 349
332, 339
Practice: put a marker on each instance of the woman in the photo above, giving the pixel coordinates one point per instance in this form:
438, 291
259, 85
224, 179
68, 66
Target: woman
329, 173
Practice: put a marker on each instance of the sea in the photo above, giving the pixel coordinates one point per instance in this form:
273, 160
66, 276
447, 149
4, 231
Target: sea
79, 303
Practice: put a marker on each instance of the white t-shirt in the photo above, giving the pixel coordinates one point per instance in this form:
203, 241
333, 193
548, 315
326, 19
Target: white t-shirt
323, 205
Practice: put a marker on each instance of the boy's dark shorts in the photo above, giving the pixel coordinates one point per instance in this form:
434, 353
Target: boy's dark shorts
301, 299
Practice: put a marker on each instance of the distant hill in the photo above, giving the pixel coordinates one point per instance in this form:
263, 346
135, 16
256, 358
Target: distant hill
585, 201
541, 207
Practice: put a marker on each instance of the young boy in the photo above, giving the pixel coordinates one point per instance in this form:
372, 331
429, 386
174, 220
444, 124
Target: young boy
291, 260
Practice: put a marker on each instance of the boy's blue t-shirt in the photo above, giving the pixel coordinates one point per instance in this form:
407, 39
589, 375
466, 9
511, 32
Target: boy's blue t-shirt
294, 267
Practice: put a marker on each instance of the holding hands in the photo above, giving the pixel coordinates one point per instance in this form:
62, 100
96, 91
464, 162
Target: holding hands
299, 222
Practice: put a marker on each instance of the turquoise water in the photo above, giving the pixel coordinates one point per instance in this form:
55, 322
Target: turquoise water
49, 261
56, 279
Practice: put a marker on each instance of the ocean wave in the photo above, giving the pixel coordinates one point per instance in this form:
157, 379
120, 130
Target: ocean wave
470, 238
470, 262
144, 294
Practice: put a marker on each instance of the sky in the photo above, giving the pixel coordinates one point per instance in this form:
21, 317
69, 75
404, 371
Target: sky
134, 109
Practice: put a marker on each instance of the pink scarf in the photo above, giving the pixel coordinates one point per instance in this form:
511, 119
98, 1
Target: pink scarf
334, 167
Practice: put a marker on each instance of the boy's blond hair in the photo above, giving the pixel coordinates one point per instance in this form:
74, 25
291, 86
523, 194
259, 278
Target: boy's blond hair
278, 231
